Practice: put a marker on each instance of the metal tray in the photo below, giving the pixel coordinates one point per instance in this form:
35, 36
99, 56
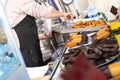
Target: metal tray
90, 29
86, 44
66, 28
106, 61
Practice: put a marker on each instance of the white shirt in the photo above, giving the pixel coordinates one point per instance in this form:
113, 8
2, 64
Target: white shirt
17, 10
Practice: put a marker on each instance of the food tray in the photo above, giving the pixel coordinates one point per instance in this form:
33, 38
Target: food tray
89, 41
67, 28
90, 29
106, 61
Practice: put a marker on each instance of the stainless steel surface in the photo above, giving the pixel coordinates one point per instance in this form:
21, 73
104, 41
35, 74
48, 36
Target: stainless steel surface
67, 28
90, 29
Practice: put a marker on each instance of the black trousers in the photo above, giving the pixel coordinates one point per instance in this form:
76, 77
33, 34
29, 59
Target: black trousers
29, 43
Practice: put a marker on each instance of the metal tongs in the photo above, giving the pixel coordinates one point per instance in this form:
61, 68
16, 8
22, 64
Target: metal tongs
67, 25
70, 24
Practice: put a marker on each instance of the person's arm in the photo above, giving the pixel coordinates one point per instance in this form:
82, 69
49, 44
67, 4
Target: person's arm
67, 16
44, 36
32, 8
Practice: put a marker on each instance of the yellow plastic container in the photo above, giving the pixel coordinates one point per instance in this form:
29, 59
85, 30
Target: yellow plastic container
115, 27
118, 39
115, 70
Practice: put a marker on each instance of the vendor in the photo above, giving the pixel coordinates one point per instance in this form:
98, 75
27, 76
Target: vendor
21, 15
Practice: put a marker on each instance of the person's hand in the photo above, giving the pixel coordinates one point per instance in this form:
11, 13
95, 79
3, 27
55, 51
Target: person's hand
118, 13
44, 36
68, 16
55, 14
